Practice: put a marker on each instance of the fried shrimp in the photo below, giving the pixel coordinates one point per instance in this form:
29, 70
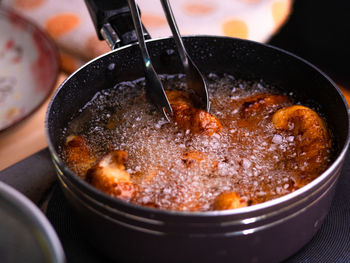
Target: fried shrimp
190, 118
195, 158
261, 102
312, 139
110, 176
229, 200
79, 155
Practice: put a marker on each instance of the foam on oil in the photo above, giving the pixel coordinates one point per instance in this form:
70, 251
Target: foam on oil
246, 160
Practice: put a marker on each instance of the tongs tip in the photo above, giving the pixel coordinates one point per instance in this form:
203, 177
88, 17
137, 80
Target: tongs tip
155, 90
195, 80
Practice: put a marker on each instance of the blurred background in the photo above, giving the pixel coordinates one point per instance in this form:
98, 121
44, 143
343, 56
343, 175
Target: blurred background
69, 24
319, 31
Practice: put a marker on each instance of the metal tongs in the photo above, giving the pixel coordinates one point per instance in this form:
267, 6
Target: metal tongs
194, 78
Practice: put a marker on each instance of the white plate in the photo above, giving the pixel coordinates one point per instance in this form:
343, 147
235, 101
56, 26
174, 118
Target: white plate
29, 67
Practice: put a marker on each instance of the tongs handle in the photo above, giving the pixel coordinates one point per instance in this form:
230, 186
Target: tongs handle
154, 86
113, 22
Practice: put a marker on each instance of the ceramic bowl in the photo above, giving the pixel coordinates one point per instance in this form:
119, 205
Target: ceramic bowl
29, 67
25, 233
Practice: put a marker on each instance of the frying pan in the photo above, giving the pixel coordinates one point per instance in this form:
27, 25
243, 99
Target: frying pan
267, 232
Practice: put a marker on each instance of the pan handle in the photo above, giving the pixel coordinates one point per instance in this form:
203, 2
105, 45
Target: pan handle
113, 22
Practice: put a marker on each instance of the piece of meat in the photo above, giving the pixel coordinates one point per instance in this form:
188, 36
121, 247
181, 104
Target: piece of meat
190, 118
229, 200
312, 140
262, 102
150, 174
110, 176
78, 155
195, 158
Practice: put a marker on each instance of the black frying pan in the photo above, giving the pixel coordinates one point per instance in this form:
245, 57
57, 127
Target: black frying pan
268, 232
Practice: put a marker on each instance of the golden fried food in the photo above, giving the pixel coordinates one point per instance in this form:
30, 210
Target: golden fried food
110, 176
190, 118
229, 200
79, 155
311, 137
257, 103
194, 158
150, 174
253, 147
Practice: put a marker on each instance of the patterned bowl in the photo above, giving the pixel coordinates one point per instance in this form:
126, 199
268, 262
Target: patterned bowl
29, 67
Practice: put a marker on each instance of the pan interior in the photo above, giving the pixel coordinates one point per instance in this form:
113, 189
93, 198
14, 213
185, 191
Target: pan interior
242, 59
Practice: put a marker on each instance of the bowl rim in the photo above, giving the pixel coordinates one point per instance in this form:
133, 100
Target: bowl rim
35, 218
320, 180
5, 12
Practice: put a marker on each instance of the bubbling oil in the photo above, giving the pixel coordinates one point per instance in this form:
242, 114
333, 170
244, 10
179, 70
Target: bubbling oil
249, 160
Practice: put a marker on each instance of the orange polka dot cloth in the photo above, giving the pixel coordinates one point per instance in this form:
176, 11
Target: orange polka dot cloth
69, 24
